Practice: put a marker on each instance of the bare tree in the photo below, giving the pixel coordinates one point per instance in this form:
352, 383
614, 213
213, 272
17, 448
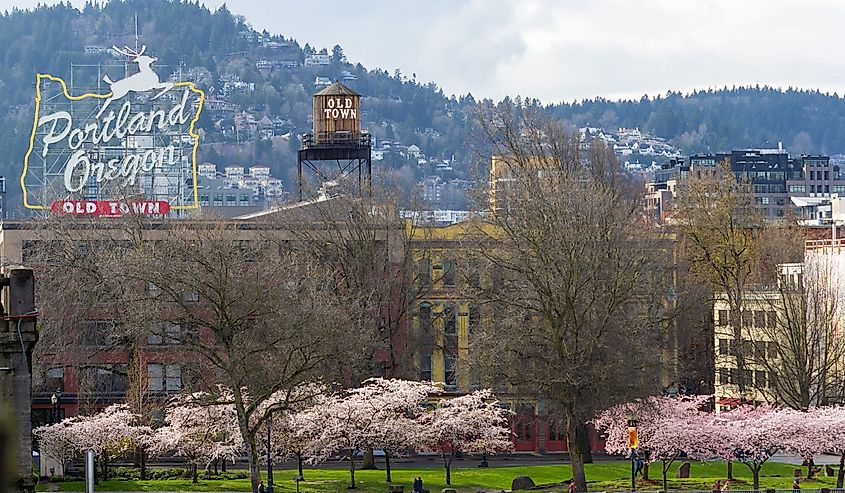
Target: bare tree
227, 307
261, 319
799, 347
575, 293
716, 216
373, 253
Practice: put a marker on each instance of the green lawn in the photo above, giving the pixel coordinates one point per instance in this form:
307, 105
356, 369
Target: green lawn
604, 476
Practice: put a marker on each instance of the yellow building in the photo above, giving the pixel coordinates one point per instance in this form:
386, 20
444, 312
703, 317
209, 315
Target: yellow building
758, 313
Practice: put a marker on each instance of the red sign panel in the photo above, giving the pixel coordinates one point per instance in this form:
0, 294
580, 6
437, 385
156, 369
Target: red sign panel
111, 208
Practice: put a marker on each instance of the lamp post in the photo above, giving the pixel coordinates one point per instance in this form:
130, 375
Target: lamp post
54, 410
633, 443
269, 456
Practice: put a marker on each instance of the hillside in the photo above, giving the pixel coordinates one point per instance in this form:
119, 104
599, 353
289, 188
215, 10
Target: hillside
257, 76
249, 76
725, 119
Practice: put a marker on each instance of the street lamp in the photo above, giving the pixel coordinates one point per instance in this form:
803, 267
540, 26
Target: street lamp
269, 456
54, 411
633, 443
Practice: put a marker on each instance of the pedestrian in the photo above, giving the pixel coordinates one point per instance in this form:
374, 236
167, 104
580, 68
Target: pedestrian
639, 464
572, 486
418, 484
796, 484
717, 487
261, 487
726, 486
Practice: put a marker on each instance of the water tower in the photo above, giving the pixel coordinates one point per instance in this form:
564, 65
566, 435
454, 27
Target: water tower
337, 150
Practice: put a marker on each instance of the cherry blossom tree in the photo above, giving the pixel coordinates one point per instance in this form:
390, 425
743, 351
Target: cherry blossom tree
57, 441
666, 428
295, 434
473, 422
828, 431
747, 435
368, 417
402, 405
198, 433
109, 433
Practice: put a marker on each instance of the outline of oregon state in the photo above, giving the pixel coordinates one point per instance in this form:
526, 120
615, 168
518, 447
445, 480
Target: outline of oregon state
191, 131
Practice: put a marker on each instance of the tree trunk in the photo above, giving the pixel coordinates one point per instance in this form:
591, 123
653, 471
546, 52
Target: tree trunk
105, 466
215, 466
756, 471
299, 466
448, 463
351, 470
223, 465
666, 465
730, 470
193, 473
252, 461
645, 465
369, 461
143, 463
841, 476
387, 465
586, 449
249, 440
810, 466
576, 454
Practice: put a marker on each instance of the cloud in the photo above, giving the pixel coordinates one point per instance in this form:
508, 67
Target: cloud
564, 49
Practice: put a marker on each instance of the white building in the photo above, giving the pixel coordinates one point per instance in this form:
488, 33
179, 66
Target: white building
318, 59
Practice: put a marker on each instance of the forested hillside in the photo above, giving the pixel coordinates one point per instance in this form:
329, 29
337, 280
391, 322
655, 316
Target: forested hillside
259, 76
721, 120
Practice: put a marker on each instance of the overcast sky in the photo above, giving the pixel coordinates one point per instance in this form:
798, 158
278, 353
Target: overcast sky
565, 50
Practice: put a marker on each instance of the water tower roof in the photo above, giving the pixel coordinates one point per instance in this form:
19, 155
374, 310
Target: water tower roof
337, 89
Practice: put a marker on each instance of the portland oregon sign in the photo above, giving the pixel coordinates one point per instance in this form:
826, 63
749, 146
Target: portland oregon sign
127, 145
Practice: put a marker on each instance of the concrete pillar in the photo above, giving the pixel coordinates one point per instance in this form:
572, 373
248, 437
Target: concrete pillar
17, 339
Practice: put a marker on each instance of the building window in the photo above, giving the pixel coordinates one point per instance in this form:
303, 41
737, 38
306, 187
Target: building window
450, 319
450, 373
746, 319
759, 319
772, 350
425, 367
797, 189
474, 318
218, 200
164, 377
723, 318
771, 320
54, 381
760, 379
164, 333
425, 317
724, 376
244, 202
190, 297
108, 378
424, 272
98, 332
724, 347
759, 350
449, 273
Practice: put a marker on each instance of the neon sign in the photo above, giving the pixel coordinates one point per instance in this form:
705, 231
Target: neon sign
102, 152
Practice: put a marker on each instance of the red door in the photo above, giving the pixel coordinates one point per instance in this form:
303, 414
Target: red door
556, 440
524, 427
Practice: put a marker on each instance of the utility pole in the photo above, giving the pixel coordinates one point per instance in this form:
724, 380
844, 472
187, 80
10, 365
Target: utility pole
17, 340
